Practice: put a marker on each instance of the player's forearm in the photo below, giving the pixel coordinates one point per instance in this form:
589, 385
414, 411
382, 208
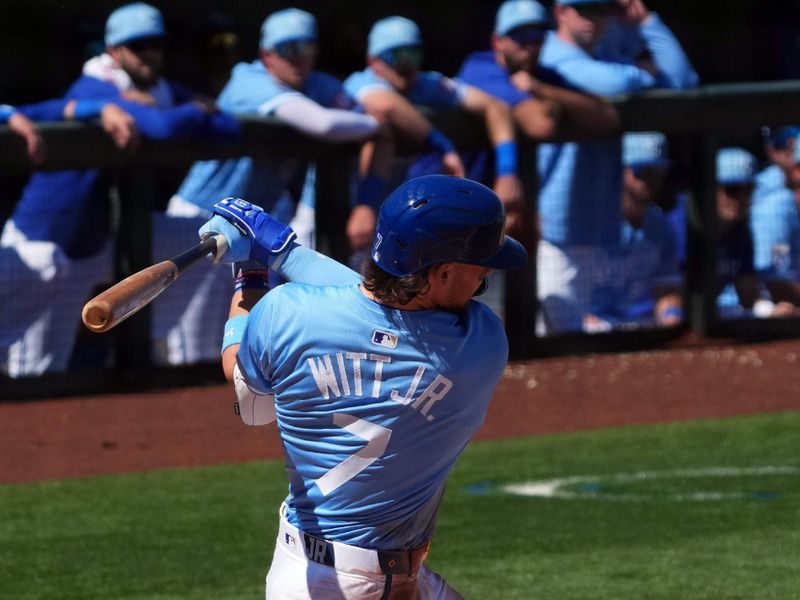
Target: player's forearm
581, 112
499, 122
399, 113
329, 123
537, 119
497, 114
248, 290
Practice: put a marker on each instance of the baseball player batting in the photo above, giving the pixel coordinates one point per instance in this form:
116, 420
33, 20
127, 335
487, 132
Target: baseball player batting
377, 383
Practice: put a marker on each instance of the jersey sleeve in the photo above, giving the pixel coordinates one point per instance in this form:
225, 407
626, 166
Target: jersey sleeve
604, 78
362, 83
437, 90
91, 87
675, 70
48, 110
303, 265
773, 220
182, 121
486, 75
253, 355
329, 92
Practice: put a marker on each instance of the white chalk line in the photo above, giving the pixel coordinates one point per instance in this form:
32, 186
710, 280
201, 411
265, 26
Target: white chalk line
554, 488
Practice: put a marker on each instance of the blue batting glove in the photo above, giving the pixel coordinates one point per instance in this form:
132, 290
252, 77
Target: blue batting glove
250, 232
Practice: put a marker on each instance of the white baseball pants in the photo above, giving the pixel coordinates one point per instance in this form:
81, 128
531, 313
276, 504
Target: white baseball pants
356, 575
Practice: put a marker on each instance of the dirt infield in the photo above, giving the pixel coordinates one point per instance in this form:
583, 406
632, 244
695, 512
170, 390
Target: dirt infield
80, 437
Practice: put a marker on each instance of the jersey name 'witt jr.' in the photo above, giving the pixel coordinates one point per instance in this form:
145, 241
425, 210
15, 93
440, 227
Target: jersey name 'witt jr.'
337, 380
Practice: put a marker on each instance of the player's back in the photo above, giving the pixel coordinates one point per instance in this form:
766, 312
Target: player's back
374, 405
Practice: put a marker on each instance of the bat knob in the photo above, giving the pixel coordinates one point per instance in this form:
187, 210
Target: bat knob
96, 316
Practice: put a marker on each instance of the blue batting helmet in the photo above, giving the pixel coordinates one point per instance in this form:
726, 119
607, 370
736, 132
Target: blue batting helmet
439, 218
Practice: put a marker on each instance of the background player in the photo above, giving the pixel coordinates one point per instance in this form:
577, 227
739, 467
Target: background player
581, 183
389, 88
62, 223
378, 384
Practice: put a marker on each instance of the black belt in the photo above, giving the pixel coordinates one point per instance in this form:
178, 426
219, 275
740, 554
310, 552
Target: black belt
392, 562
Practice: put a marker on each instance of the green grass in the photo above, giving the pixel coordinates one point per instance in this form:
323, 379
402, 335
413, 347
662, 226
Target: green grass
208, 533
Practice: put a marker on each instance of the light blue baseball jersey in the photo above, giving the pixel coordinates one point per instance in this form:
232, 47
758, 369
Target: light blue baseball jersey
580, 183
430, 88
775, 225
252, 90
374, 405
768, 181
647, 258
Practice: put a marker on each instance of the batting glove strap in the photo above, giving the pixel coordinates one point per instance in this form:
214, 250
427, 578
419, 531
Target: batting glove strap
251, 233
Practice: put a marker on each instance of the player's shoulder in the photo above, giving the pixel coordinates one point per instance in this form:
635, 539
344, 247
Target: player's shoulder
292, 294
554, 49
367, 78
481, 59
323, 80
327, 90
483, 315
250, 86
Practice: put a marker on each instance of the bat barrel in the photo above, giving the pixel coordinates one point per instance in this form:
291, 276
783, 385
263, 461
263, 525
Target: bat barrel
130, 295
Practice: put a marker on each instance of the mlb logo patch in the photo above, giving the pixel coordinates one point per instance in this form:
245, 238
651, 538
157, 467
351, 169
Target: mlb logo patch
384, 338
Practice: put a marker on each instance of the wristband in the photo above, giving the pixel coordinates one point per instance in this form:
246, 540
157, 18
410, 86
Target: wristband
251, 280
6, 110
371, 191
88, 109
505, 159
234, 331
245, 266
439, 142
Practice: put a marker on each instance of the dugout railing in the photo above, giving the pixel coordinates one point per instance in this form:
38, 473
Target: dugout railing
697, 122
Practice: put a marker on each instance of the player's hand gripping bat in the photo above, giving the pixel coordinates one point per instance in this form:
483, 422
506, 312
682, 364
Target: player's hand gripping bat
125, 298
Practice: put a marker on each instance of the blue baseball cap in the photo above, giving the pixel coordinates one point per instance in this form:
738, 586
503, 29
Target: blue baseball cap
518, 13
393, 32
735, 166
779, 137
580, 2
133, 22
645, 149
289, 25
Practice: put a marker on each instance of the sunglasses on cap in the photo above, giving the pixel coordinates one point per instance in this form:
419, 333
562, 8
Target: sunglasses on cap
405, 56
595, 11
527, 35
642, 171
144, 44
297, 49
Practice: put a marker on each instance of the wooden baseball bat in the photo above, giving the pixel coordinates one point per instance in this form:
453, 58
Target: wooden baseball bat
123, 299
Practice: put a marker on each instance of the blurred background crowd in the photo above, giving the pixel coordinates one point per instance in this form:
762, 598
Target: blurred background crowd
606, 223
